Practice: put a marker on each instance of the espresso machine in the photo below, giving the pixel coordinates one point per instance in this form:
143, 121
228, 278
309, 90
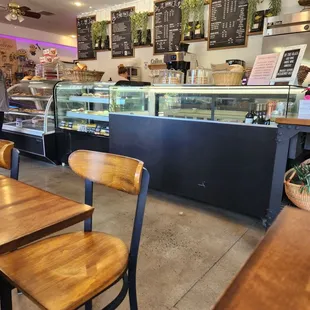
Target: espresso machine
181, 61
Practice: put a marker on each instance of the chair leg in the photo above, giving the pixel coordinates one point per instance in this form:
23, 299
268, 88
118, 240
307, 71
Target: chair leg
6, 297
132, 291
89, 305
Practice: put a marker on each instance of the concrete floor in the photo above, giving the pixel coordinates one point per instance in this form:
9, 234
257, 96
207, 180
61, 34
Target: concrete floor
186, 260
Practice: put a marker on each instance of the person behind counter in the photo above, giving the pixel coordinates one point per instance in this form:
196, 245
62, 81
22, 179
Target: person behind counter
123, 73
4, 102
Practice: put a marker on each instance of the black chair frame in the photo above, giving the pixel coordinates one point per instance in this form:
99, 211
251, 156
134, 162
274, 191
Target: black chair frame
129, 276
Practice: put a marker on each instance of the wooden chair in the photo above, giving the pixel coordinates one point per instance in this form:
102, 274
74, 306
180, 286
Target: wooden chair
68, 271
9, 158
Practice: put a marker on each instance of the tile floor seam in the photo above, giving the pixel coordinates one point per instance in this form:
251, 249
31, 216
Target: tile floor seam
215, 263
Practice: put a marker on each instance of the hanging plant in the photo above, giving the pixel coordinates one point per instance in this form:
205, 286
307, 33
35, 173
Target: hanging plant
99, 31
192, 9
275, 7
139, 21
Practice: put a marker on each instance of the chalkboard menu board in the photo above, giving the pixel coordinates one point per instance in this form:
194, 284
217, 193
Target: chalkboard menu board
288, 64
228, 24
121, 33
167, 26
84, 39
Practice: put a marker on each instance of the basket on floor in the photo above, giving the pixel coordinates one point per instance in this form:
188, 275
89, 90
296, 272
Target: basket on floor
301, 200
227, 78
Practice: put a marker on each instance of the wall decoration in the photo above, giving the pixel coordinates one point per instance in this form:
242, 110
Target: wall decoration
32, 49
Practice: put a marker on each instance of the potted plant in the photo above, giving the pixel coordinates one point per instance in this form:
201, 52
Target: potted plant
297, 185
139, 31
275, 7
99, 34
193, 10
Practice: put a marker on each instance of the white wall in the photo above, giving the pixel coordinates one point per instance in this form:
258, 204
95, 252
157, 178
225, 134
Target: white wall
66, 46
205, 58
22, 32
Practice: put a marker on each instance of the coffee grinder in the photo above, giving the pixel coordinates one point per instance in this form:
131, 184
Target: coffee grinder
181, 61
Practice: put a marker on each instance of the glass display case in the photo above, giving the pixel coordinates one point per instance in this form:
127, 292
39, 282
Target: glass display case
241, 104
30, 121
31, 108
85, 107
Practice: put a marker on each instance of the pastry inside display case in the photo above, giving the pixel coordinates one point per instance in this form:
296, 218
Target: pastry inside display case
83, 107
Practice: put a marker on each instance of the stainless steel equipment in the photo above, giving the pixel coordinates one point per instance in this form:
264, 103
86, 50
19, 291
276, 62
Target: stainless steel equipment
287, 30
181, 61
134, 73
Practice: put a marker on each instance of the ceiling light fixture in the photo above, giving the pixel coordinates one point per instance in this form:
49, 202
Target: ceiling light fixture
78, 3
20, 18
90, 7
73, 36
8, 17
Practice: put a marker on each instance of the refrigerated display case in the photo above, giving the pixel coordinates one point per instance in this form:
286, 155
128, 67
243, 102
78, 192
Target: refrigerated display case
30, 121
82, 114
224, 104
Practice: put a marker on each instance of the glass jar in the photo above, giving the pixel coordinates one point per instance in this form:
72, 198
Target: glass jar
199, 76
171, 77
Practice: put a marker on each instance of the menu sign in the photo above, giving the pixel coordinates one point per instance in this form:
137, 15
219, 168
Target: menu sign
228, 24
84, 38
121, 33
167, 26
288, 64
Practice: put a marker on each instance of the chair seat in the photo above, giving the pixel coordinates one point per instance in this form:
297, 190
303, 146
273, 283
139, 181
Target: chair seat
63, 272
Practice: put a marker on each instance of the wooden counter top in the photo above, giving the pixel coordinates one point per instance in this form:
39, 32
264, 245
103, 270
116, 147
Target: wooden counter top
277, 275
293, 121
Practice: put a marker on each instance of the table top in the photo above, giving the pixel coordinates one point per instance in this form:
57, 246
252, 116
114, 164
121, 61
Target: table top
293, 121
277, 275
28, 213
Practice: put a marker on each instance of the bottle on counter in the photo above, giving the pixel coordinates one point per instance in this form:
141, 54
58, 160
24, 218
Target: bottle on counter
260, 114
249, 118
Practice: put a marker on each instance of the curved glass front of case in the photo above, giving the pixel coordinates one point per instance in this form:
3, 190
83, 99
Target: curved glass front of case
31, 108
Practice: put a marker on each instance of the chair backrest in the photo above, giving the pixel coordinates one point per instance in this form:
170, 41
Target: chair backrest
9, 157
121, 173
115, 171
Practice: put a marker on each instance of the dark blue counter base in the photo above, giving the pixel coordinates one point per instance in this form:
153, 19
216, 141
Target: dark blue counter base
226, 165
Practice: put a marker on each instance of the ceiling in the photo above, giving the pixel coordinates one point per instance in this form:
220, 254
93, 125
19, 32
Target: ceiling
63, 22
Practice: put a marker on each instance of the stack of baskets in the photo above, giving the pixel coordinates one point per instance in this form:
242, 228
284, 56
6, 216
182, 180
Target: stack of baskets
293, 191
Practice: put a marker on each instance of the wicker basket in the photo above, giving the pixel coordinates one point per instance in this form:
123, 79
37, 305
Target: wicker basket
302, 74
83, 75
227, 78
301, 200
304, 2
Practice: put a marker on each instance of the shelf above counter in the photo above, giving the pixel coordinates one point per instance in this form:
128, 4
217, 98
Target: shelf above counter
89, 99
30, 98
28, 114
87, 116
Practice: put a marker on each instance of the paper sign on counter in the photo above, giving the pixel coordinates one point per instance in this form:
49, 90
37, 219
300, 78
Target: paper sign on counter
304, 109
263, 69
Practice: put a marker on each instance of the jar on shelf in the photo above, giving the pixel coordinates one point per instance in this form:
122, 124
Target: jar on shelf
171, 77
199, 76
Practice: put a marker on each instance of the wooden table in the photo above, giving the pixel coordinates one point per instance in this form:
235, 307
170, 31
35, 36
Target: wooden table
277, 275
28, 214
